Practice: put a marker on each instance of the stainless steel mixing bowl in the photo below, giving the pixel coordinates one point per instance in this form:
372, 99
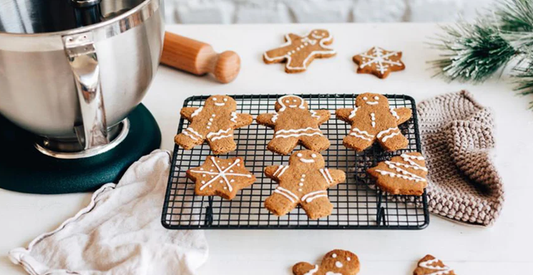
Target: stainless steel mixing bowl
72, 85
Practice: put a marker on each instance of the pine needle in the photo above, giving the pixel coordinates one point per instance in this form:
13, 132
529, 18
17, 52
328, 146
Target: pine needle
515, 15
524, 79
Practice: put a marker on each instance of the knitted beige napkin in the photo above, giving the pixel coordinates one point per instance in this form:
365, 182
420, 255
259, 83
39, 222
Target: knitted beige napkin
457, 135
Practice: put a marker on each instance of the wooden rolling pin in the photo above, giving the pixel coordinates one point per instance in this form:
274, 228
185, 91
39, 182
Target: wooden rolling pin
199, 58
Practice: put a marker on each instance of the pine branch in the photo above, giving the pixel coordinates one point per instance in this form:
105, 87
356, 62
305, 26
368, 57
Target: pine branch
473, 52
515, 15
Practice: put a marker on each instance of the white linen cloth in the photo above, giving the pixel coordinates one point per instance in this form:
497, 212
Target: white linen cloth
119, 232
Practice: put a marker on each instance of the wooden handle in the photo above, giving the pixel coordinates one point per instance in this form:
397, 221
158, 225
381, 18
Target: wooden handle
199, 58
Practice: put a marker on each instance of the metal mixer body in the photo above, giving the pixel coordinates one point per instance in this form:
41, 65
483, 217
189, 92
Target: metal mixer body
72, 85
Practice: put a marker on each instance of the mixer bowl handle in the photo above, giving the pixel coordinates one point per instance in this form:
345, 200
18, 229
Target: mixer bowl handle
83, 62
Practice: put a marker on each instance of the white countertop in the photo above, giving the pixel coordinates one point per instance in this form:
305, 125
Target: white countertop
503, 249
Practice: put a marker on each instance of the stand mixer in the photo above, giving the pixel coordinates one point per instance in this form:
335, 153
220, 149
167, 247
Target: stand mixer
72, 76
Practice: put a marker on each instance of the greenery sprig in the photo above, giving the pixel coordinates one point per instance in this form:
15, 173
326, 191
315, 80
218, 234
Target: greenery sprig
477, 51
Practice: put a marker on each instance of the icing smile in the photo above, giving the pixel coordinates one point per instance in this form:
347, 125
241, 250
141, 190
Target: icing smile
220, 104
307, 160
372, 102
317, 36
293, 106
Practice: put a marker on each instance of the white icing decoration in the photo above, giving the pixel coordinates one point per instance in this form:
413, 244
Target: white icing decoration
193, 134
381, 60
372, 102
219, 104
189, 135
393, 112
338, 264
390, 136
357, 130
286, 193
299, 135
312, 271
197, 111
309, 197
439, 270
299, 155
222, 173
353, 112
219, 135
314, 114
373, 117
328, 51
332, 273
360, 136
386, 131
281, 169
329, 175
307, 160
414, 167
283, 107
325, 173
334, 255
283, 131
348, 259
404, 173
234, 117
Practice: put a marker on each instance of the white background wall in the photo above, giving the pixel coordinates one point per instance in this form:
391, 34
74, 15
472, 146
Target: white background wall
317, 11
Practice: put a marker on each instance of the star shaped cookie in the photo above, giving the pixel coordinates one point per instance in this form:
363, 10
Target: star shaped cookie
379, 62
221, 177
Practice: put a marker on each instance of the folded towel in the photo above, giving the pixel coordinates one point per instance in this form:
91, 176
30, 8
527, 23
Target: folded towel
457, 136
119, 232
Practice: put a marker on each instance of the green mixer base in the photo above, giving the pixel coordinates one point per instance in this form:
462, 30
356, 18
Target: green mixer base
24, 169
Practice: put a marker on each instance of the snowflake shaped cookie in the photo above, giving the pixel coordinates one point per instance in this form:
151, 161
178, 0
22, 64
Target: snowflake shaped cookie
430, 265
379, 62
221, 177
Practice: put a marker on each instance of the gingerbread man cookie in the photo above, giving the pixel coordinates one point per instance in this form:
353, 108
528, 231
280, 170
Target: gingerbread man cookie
372, 119
300, 51
336, 262
379, 62
221, 177
430, 265
402, 175
214, 122
303, 182
294, 123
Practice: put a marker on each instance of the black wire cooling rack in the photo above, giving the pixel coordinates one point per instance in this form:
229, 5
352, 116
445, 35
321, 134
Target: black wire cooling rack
358, 203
